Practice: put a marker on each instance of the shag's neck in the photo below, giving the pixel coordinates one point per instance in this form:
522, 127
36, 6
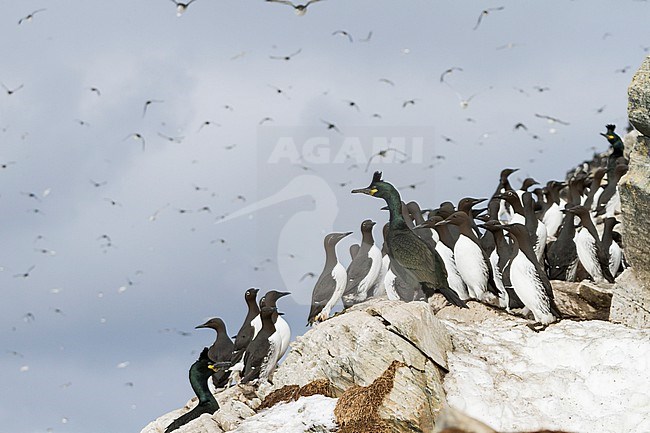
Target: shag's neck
394, 203
199, 375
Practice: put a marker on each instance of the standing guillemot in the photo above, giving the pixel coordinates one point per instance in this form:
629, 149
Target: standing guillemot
409, 251
561, 255
613, 250
528, 278
364, 269
445, 247
591, 253
330, 284
262, 354
220, 351
200, 373
473, 266
245, 333
282, 328
499, 259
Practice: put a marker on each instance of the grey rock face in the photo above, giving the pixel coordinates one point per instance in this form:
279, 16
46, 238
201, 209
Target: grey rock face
639, 99
631, 303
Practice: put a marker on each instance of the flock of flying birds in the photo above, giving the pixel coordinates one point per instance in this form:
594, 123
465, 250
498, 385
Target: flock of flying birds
467, 263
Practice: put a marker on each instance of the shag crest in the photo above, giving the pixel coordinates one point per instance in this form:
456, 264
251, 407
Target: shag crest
376, 177
610, 128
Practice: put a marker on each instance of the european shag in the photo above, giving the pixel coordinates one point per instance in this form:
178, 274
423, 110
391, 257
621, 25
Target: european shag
200, 373
406, 249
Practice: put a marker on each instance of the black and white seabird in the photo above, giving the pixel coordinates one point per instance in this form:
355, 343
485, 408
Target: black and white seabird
245, 333
270, 299
262, 353
473, 266
331, 284
591, 253
364, 269
528, 279
613, 250
445, 247
561, 255
220, 351
200, 373
499, 259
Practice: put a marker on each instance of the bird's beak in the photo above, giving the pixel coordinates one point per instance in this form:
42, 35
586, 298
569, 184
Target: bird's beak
369, 191
280, 313
603, 134
212, 367
384, 208
281, 294
201, 326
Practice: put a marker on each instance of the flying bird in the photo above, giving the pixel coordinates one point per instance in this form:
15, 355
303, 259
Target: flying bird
26, 273
486, 12
146, 105
286, 58
343, 33
29, 17
383, 153
136, 136
171, 139
387, 81
95, 90
551, 119
449, 71
181, 7
11, 91
299, 9
330, 125
409, 102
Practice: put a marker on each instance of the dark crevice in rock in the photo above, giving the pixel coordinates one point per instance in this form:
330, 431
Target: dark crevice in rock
392, 329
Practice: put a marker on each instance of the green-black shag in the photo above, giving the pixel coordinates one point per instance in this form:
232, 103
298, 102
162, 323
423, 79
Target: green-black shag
200, 373
406, 248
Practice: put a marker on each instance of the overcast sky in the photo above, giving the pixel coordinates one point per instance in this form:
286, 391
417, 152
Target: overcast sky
112, 253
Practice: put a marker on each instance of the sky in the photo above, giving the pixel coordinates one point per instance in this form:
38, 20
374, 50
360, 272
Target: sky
123, 228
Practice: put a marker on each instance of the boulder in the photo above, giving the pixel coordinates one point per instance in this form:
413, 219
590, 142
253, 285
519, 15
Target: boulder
355, 348
632, 294
582, 301
638, 94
